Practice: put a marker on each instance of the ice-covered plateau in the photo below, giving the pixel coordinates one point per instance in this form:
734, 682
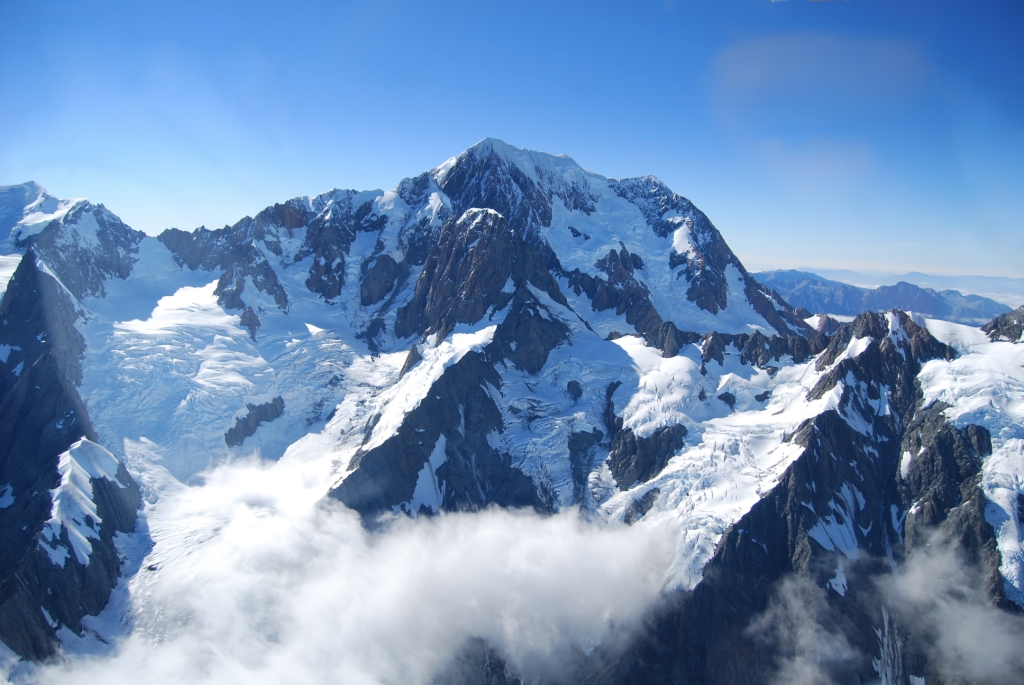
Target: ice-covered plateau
507, 329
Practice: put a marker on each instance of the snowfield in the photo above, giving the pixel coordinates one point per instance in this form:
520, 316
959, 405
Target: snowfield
243, 569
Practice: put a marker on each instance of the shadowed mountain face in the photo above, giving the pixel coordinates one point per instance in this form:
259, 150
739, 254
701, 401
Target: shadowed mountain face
52, 572
822, 296
509, 330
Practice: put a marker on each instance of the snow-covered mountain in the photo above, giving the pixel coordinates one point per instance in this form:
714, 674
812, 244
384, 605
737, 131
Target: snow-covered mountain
506, 329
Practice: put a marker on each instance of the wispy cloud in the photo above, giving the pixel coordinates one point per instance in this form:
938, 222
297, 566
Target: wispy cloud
802, 631
935, 606
940, 597
815, 66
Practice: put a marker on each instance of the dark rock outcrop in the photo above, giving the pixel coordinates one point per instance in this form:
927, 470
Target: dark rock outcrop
41, 417
379, 276
463, 276
459, 409
328, 224
476, 664
234, 251
245, 426
622, 292
843, 501
1009, 326
639, 507
634, 459
86, 247
582, 448
574, 389
760, 350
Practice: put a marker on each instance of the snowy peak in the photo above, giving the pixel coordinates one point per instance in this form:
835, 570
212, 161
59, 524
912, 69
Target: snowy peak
576, 218
74, 501
572, 218
82, 243
492, 150
519, 184
85, 247
26, 209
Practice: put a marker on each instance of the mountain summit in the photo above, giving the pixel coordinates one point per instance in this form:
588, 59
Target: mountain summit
504, 330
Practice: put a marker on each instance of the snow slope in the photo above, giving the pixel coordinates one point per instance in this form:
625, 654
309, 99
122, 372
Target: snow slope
73, 503
590, 218
25, 210
985, 386
169, 368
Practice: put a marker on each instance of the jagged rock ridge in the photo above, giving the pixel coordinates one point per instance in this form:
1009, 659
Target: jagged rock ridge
506, 329
45, 582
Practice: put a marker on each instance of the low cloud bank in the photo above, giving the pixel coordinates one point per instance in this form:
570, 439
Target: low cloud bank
251, 586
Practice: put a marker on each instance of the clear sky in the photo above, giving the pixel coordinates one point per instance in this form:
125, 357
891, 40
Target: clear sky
871, 134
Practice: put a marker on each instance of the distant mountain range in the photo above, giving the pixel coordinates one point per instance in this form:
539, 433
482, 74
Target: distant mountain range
819, 295
1009, 291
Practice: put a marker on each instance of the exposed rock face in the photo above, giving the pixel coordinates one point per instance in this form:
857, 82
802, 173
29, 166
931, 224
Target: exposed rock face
704, 266
845, 502
827, 325
463, 276
245, 426
327, 225
760, 350
634, 459
624, 294
330, 237
319, 231
641, 506
582, 459
1006, 326
456, 416
87, 246
41, 417
236, 253
379, 278
528, 333
479, 268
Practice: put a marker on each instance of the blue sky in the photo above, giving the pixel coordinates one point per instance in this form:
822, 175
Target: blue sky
870, 134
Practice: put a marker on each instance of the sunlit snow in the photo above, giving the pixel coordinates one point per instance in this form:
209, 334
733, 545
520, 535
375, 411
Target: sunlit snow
985, 385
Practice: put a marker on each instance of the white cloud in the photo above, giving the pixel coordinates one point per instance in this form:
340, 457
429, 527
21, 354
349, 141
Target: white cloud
254, 586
